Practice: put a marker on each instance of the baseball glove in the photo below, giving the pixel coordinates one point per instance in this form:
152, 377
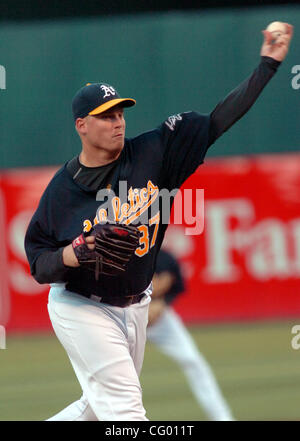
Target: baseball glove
115, 245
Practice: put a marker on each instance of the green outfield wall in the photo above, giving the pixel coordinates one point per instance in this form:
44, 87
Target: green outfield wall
170, 62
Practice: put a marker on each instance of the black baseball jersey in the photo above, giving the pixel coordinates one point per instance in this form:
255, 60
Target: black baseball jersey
162, 158
167, 263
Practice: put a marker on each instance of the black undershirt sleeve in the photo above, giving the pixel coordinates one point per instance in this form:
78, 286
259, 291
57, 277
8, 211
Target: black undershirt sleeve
49, 267
239, 101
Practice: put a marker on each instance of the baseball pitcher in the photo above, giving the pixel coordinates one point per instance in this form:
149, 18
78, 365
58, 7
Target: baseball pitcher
98, 228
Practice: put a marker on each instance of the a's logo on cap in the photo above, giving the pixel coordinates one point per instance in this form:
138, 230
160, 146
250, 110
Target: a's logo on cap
108, 90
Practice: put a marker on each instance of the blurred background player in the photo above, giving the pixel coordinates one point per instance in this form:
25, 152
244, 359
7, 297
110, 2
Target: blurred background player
167, 331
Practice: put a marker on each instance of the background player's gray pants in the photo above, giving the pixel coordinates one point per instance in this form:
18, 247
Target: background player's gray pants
173, 339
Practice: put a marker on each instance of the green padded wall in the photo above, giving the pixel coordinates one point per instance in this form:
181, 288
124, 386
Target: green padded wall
169, 62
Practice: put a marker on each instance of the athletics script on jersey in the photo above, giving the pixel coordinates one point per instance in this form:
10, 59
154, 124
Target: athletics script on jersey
138, 202
148, 207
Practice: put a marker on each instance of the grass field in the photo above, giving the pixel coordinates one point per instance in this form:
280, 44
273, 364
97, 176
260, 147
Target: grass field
255, 365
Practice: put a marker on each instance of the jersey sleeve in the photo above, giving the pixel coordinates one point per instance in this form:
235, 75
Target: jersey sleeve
41, 244
184, 138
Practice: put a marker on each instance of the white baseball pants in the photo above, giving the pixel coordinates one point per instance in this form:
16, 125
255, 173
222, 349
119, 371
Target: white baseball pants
105, 345
172, 338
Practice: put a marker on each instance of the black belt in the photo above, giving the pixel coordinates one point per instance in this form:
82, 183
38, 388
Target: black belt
120, 301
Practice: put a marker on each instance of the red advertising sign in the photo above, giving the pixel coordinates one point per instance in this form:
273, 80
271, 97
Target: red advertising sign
235, 228
24, 299
246, 264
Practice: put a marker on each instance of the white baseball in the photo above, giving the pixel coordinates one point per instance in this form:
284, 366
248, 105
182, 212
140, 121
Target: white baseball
277, 28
